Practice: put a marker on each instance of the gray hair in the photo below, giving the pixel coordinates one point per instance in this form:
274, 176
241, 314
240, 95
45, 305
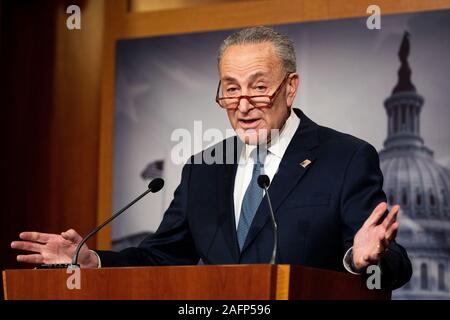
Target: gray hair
284, 46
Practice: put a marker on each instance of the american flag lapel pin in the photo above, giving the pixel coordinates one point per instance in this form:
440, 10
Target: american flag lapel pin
305, 163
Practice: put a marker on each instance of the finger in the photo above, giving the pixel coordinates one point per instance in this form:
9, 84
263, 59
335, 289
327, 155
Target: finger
391, 233
391, 217
380, 246
27, 246
36, 236
376, 214
71, 235
361, 262
31, 258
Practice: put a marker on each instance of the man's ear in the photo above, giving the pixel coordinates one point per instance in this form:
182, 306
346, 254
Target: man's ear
292, 87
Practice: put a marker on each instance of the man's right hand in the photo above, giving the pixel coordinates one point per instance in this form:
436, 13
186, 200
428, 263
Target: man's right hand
54, 248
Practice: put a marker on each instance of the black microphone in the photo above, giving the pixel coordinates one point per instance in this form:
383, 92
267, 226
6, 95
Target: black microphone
264, 182
154, 186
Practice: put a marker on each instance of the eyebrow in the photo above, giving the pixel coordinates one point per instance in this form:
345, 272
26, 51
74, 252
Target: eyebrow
252, 78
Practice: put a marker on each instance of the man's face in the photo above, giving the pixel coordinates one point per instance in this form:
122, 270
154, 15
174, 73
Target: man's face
255, 69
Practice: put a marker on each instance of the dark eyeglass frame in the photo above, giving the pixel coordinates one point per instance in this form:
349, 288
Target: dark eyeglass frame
271, 97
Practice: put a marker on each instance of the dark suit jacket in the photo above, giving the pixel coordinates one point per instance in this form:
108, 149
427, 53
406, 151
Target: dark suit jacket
318, 209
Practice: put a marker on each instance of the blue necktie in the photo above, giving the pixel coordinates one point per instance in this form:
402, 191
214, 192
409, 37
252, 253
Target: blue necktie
250, 203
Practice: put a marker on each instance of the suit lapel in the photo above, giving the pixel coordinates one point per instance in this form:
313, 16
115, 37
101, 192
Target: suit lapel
289, 172
225, 187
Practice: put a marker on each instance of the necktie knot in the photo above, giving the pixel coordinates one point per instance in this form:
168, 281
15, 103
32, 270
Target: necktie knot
259, 155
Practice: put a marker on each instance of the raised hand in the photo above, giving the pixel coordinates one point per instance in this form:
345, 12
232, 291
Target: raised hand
53, 248
372, 239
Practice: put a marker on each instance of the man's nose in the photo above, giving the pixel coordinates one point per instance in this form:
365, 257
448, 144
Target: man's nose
244, 105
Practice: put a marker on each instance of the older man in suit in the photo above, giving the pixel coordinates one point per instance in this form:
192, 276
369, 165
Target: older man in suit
326, 186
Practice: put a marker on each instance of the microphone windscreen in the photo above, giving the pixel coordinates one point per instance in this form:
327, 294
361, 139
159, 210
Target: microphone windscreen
156, 184
263, 181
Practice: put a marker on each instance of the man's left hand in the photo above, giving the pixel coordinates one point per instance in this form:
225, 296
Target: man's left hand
372, 239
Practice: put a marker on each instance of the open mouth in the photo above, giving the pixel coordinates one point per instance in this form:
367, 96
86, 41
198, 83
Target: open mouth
249, 123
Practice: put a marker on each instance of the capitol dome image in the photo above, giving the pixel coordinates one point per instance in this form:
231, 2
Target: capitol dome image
413, 179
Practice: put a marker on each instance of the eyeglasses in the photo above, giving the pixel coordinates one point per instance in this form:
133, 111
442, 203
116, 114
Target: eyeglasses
258, 101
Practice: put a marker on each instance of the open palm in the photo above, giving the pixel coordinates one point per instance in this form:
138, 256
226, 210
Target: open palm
49, 248
373, 238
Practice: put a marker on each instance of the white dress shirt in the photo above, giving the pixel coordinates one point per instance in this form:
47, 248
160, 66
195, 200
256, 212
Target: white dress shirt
275, 152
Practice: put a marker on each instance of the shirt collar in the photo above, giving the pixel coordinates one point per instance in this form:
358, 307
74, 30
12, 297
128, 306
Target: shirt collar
279, 143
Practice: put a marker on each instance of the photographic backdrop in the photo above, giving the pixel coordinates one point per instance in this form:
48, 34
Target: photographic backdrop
349, 80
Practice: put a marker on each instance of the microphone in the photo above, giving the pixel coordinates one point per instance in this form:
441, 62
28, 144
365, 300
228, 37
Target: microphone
263, 183
154, 186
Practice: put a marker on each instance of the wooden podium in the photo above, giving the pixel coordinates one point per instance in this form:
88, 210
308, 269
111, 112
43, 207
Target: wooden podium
254, 282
